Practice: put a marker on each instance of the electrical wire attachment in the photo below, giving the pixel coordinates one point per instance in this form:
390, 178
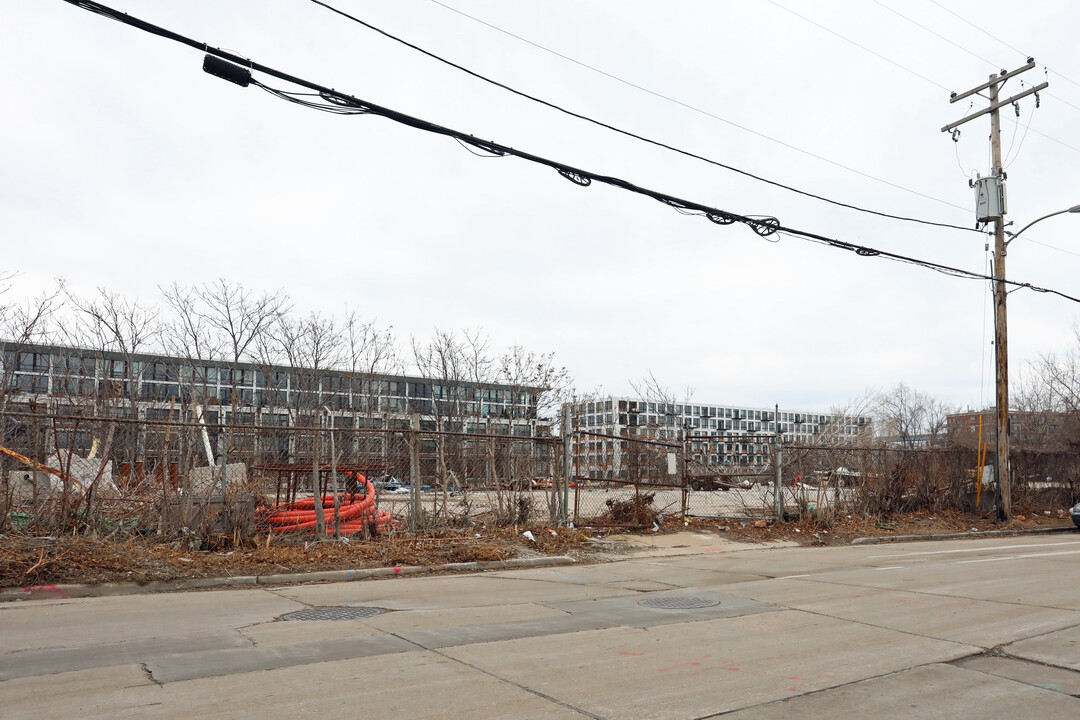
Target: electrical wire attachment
764, 226
227, 71
720, 218
575, 177
488, 150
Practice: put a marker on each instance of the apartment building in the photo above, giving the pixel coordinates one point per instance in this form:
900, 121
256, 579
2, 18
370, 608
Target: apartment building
718, 434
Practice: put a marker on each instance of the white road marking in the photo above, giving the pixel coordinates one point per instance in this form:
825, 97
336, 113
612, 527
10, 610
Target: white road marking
1018, 557
891, 567
971, 550
788, 577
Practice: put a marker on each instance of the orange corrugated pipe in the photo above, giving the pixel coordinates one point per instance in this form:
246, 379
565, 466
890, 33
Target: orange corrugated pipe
355, 512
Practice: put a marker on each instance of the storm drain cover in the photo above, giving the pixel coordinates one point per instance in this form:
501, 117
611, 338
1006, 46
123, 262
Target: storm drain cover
679, 603
334, 613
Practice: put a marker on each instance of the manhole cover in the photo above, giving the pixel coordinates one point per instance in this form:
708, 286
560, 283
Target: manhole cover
679, 603
334, 613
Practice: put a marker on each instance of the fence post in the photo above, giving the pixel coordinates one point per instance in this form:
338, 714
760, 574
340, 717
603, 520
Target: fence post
568, 466
779, 468
414, 471
682, 474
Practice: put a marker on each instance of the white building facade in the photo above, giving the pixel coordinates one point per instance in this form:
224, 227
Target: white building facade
716, 434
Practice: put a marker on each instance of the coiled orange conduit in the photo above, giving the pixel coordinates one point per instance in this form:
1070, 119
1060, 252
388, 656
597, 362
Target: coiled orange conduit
355, 512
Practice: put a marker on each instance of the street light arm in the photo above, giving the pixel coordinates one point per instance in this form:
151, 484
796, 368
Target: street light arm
1013, 236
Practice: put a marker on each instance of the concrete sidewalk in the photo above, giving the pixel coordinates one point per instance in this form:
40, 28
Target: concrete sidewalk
973, 628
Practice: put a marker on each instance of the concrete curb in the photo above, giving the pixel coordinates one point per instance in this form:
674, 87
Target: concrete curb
881, 540
52, 592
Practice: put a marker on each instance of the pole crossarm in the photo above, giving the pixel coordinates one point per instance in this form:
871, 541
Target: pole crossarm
1000, 79
994, 106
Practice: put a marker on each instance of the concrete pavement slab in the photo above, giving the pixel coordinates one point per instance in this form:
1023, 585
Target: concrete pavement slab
699, 668
650, 570
97, 621
213, 663
1032, 581
414, 620
517, 644
926, 693
95, 694
963, 620
270, 634
415, 685
641, 586
766, 563
444, 591
1031, 673
437, 638
1060, 648
629, 612
680, 543
24, 663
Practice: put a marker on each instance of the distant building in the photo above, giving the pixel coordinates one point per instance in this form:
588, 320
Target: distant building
719, 434
1028, 430
84, 382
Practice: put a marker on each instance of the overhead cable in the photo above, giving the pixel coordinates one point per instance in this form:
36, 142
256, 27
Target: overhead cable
694, 108
628, 133
994, 37
905, 68
332, 99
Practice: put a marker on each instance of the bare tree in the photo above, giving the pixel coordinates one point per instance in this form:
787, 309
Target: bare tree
1048, 392
22, 325
110, 323
309, 346
911, 418
444, 360
535, 374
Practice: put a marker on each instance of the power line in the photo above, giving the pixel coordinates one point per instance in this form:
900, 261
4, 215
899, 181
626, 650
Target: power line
996, 38
975, 55
696, 109
861, 47
237, 69
902, 67
934, 33
628, 133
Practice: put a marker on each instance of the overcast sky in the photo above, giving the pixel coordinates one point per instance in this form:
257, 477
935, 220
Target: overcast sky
124, 165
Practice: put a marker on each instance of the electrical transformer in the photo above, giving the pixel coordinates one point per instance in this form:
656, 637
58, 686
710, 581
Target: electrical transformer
989, 199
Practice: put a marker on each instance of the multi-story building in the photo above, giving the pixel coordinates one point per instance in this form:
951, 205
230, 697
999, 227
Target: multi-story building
718, 434
287, 401
1028, 430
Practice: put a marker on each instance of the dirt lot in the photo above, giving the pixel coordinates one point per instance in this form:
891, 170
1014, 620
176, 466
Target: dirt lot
27, 560
845, 528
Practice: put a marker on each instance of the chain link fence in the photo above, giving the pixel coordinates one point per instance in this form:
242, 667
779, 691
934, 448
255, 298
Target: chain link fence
163, 474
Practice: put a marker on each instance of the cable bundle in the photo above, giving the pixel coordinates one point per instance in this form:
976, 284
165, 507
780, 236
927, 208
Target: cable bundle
356, 512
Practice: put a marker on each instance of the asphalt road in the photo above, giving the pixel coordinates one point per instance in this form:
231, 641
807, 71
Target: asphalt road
980, 628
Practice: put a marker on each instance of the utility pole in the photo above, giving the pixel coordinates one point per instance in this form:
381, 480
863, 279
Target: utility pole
990, 205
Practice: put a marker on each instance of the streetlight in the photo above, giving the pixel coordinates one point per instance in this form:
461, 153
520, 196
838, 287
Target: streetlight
1004, 480
1013, 236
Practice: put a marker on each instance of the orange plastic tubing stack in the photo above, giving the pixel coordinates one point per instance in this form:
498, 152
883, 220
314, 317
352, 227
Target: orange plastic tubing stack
356, 512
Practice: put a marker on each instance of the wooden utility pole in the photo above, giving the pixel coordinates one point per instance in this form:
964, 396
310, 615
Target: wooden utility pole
991, 206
